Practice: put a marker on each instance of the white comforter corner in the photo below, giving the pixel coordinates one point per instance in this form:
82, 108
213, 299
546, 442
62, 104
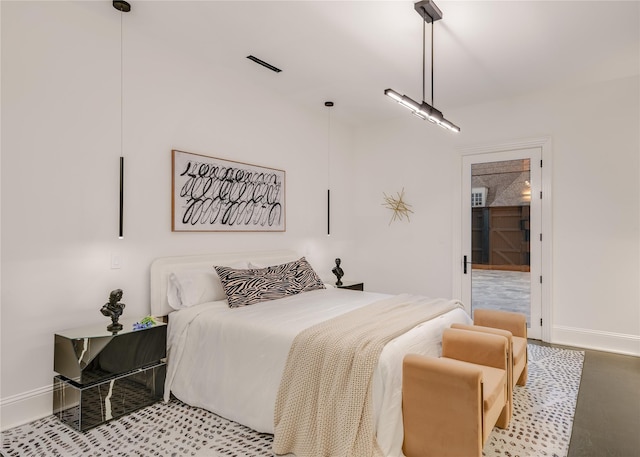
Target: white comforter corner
230, 361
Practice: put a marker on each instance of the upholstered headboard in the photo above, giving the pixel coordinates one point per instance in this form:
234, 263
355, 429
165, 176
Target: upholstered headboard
162, 267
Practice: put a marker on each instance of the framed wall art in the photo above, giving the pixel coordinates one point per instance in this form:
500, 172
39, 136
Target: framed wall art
210, 194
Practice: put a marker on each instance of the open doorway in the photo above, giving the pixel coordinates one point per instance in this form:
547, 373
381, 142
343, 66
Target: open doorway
501, 233
500, 236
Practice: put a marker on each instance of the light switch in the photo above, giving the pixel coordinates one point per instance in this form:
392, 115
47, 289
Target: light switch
116, 261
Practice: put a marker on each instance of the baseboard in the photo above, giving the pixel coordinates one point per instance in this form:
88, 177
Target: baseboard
618, 343
26, 407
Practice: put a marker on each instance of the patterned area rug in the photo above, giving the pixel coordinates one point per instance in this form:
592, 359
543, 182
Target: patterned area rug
541, 425
543, 409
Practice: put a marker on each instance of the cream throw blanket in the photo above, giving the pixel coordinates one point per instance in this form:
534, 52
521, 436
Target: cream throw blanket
324, 405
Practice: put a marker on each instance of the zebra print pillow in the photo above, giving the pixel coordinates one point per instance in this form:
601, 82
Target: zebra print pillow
246, 287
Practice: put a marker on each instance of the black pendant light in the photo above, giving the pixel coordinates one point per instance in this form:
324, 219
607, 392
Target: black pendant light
328, 105
429, 12
123, 7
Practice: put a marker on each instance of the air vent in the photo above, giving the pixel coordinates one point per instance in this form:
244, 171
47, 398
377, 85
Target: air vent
264, 64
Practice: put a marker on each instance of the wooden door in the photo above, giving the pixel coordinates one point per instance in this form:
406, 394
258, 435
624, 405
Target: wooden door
508, 240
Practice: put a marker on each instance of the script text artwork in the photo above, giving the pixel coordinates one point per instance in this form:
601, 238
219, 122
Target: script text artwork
230, 196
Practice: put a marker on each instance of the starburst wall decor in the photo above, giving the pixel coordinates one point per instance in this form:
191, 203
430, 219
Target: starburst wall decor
399, 207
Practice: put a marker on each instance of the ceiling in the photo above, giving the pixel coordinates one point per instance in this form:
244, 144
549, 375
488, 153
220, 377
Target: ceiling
350, 52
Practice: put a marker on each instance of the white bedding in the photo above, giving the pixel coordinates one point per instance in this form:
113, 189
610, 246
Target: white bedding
230, 361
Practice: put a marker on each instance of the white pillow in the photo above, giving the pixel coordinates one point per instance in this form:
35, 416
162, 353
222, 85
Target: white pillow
196, 285
260, 266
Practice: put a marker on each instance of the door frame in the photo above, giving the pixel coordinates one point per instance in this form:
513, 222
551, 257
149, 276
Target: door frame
546, 298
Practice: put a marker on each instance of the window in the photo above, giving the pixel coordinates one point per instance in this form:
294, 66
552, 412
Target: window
478, 196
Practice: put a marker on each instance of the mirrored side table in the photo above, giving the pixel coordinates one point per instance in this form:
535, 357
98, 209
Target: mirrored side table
104, 375
351, 285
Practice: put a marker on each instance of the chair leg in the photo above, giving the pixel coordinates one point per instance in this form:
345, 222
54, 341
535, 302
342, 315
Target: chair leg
522, 380
505, 417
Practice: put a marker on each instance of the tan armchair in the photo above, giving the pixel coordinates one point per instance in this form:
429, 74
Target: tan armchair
505, 417
450, 404
515, 323
513, 326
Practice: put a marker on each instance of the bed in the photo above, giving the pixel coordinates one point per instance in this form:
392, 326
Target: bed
231, 360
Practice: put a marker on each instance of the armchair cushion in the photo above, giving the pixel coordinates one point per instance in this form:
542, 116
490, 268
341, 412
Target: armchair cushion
493, 379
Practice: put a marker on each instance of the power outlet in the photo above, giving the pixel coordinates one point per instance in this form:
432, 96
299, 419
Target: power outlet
116, 261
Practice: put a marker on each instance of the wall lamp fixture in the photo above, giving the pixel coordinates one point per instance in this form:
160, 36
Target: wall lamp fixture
429, 12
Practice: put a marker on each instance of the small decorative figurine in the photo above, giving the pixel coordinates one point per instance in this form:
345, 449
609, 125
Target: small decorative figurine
338, 272
147, 322
114, 310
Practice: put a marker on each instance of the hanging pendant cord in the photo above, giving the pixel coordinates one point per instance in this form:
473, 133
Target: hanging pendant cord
424, 52
329, 149
328, 105
423, 58
121, 88
432, 102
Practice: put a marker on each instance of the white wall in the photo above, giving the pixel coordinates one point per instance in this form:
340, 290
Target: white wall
60, 150
401, 256
596, 203
59, 185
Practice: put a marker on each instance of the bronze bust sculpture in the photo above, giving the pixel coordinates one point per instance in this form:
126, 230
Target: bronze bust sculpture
338, 272
114, 310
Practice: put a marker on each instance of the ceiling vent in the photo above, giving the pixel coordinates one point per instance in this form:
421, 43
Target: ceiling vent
264, 64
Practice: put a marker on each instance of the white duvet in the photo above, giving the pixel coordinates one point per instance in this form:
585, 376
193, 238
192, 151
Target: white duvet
230, 361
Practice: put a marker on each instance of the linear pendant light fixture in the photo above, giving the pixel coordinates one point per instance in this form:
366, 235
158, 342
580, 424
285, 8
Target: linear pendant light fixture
123, 7
429, 12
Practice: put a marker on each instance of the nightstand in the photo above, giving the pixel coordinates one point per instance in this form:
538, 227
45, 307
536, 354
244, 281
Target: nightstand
351, 285
104, 375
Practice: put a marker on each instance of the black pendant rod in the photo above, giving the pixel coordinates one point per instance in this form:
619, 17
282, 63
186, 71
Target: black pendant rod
423, 59
121, 225
328, 211
432, 102
424, 52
